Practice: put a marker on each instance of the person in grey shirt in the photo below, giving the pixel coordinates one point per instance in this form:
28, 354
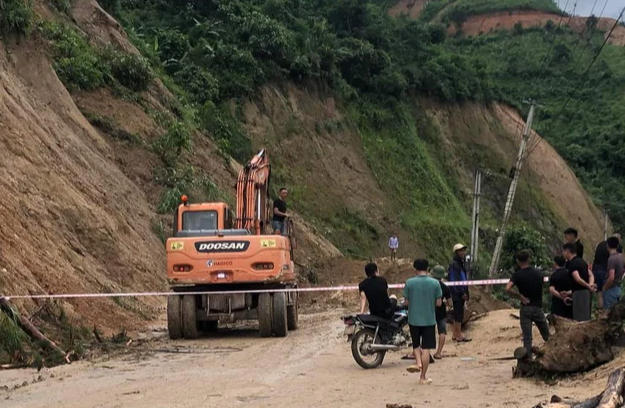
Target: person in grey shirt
612, 286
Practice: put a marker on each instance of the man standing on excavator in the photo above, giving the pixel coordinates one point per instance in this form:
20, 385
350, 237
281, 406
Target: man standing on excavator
279, 212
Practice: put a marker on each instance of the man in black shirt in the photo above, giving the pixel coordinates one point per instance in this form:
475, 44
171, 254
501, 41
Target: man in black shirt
279, 212
374, 290
570, 237
529, 282
560, 289
582, 283
600, 265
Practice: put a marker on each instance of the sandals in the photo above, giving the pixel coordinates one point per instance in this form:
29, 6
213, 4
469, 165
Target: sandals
407, 357
426, 381
413, 369
438, 356
463, 340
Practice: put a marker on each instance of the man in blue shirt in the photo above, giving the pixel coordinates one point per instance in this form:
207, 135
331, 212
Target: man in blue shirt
459, 293
422, 295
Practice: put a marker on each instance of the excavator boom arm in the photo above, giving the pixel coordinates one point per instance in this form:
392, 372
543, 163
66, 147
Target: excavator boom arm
252, 212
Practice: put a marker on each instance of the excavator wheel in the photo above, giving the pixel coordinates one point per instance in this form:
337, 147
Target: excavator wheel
189, 318
280, 324
264, 314
174, 317
292, 313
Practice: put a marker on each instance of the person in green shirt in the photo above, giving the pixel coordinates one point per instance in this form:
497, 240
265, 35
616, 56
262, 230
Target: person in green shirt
423, 295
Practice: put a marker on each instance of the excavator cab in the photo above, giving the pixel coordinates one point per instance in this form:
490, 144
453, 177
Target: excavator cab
213, 249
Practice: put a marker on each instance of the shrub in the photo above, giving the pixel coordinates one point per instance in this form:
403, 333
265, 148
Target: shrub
524, 238
266, 37
172, 143
181, 180
132, 71
76, 63
437, 32
200, 84
226, 132
361, 61
80, 72
236, 69
16, 16
172, 47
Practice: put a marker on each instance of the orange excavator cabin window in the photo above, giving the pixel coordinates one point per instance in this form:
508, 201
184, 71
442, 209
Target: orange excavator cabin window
200, 220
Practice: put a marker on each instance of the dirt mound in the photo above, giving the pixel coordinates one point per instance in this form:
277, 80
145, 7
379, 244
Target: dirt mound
411, 8
486, 23
71, 221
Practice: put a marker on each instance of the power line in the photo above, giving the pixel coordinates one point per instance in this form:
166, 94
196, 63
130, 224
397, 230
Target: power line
551, 46
607, 38
537, 140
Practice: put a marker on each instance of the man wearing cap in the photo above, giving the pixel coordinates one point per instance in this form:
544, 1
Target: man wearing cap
438, 273
460, 293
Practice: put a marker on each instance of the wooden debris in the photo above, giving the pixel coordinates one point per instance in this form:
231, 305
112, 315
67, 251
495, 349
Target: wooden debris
30, 329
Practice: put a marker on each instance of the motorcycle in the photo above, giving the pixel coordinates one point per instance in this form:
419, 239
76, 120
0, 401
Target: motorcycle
372, 336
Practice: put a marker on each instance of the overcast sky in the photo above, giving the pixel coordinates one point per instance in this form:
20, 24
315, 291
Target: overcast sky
585, 7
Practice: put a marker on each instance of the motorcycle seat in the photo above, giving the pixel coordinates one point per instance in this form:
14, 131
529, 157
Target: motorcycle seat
372, 319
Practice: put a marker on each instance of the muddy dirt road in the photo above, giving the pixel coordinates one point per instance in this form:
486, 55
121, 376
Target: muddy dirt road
312, 367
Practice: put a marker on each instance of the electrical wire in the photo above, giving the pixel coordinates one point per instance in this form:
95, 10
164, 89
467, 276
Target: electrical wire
583, 77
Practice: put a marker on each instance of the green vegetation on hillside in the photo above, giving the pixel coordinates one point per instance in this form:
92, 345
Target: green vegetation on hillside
219, 50
82, 66
548, 65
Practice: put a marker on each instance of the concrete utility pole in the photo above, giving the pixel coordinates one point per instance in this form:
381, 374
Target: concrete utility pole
527, 131
475, 227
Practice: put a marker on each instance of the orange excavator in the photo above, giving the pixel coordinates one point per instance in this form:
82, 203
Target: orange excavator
213, 250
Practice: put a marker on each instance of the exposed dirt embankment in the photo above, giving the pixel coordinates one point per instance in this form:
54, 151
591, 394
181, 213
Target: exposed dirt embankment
70, 220
486, 23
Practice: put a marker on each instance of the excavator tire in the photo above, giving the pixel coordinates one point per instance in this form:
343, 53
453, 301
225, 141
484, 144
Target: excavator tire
280, 324
174, 317
292, 313
264, 314
189, 318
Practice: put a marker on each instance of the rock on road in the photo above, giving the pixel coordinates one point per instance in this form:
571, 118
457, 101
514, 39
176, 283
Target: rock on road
312, 367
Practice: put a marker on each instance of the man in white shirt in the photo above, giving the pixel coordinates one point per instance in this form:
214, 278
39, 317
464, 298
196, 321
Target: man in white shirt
393, 244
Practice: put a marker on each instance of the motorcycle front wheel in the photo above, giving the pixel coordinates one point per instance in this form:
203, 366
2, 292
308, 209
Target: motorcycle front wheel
361, 343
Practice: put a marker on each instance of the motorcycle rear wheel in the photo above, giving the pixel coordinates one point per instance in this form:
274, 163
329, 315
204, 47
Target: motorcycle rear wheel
359, 342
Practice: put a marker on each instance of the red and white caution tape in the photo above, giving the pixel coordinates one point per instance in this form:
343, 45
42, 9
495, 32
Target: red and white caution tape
481, 282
